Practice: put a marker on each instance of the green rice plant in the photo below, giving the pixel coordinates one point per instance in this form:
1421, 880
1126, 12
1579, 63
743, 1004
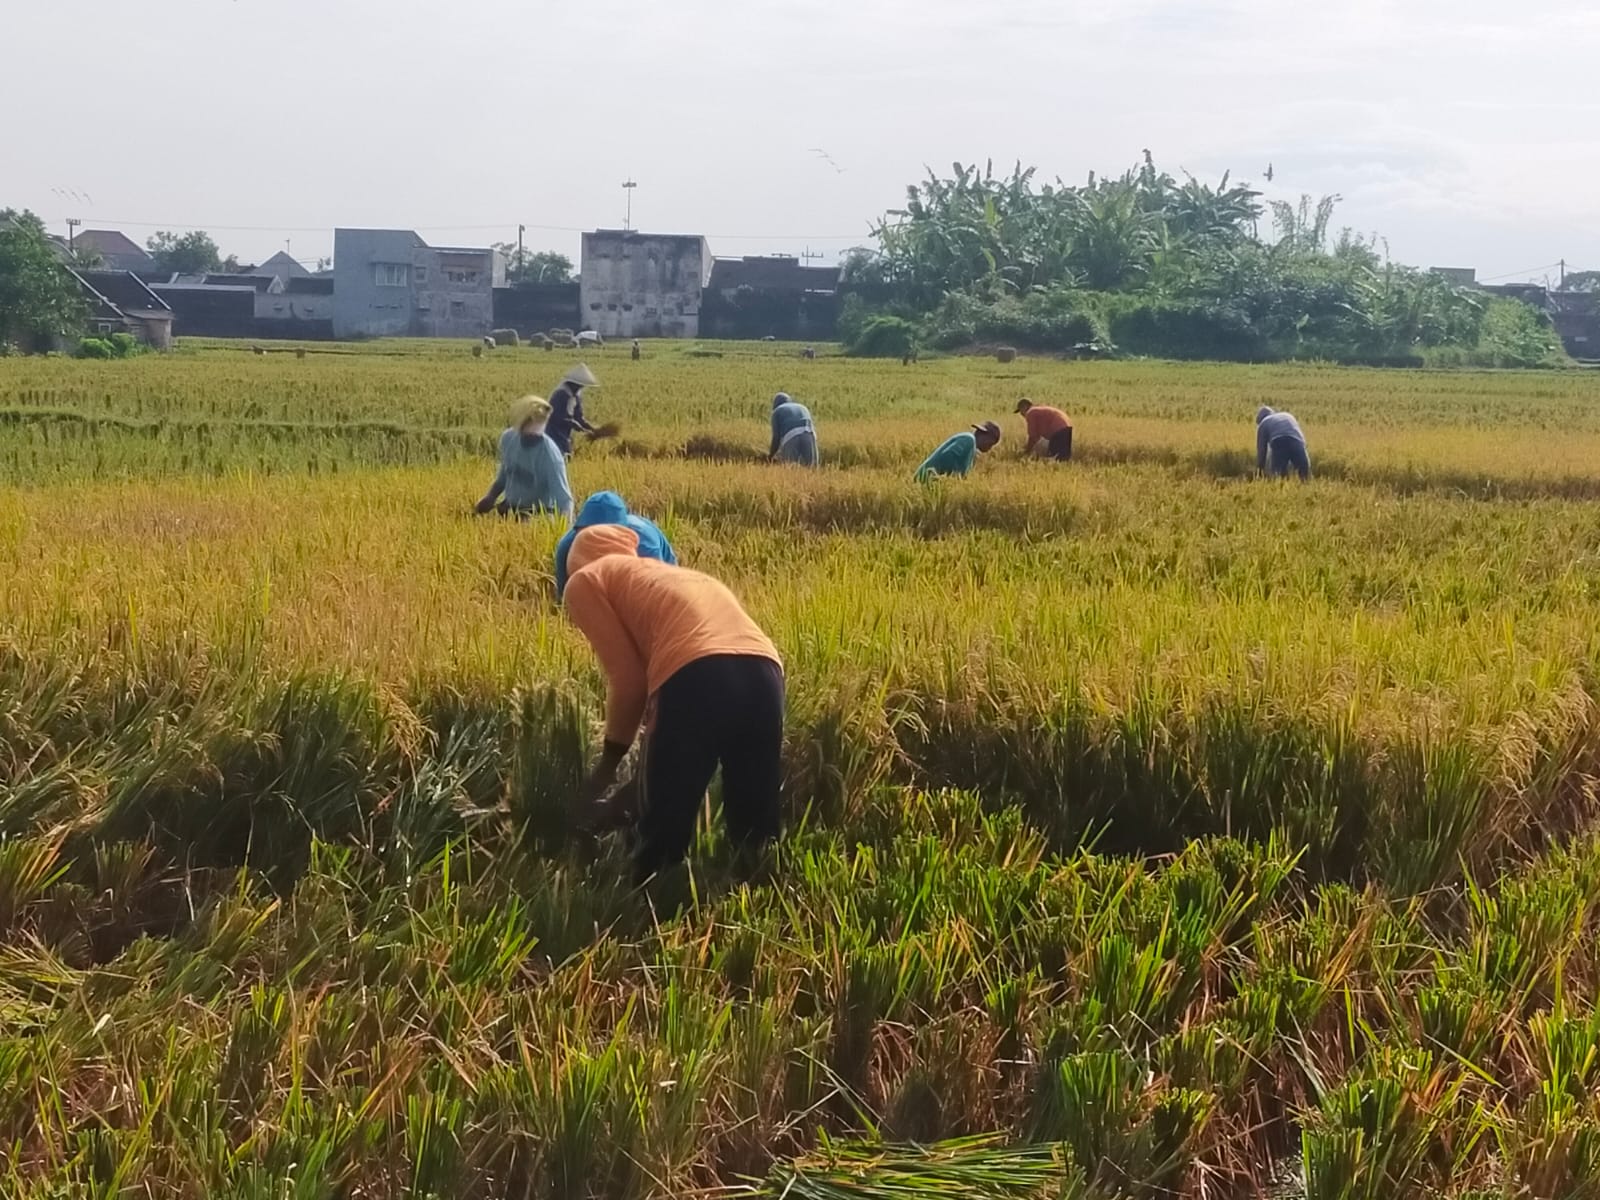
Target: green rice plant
971, 1167
1150, 811
28, 866
1392, 1129
1126, 1135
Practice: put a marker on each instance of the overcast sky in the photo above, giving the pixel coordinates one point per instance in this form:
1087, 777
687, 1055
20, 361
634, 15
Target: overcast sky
1460, 130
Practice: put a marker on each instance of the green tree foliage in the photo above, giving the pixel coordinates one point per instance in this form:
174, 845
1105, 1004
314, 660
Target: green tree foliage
1181, 268
885, 336
38, 298
192, 253
534, 266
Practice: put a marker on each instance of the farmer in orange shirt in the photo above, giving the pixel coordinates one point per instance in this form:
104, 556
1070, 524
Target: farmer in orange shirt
683, 659
1049, 430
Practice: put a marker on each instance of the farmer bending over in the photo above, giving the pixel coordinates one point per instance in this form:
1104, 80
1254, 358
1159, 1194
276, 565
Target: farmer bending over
1049, 430
958, 452
608, 508
566, 407
533, 474
683, 659
1280, 445
794, 434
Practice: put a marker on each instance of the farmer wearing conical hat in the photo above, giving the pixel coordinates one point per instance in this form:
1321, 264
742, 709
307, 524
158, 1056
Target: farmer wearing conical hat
566, 407
1280, 444
683, 660
533, 472
959, 451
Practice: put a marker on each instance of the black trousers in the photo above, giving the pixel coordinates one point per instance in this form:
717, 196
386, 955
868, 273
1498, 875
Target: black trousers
1061, 444
726, 709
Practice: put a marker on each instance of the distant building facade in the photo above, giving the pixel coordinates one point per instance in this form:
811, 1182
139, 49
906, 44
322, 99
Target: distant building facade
773, 296
641, 284
391, 283
535, 308
202, 309
300, 298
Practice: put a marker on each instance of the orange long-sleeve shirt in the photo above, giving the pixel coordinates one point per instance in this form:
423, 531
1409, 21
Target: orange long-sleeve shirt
1044, 423
646, 620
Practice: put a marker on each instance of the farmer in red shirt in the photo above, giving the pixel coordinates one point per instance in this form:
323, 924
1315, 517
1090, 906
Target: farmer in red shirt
1049, 430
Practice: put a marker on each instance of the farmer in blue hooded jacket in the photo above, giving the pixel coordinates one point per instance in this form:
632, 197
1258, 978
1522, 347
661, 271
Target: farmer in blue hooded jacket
794, 434
608, 508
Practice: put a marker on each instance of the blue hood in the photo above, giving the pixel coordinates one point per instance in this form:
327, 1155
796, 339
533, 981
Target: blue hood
602, 508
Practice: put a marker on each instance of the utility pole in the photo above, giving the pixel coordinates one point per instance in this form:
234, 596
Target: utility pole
808, 255
521, 229
1563, 265
72, 233
627, 221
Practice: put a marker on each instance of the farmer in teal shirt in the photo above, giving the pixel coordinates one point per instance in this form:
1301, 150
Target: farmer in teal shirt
533, 471
959, 452
608, 508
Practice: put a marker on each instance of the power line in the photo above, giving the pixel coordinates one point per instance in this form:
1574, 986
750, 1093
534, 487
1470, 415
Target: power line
1523, 274
206, 225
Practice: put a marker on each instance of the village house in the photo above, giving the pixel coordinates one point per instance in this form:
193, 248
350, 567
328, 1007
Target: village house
282, 267
120, 302
113, 250
391, 283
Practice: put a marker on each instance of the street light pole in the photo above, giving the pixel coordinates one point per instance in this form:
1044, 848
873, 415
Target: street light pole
627, 221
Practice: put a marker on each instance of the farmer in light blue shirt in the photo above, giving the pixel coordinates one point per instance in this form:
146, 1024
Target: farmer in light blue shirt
533, 471
1280, 445
794, 434
608, 508
959, 452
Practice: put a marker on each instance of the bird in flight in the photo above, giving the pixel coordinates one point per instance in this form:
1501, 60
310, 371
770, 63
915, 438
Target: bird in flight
1269, 172
827, 158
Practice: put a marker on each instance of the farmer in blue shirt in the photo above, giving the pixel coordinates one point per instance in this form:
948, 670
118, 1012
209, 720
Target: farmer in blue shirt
533, 471
794, 434
1280, 445
608, 508
959, 452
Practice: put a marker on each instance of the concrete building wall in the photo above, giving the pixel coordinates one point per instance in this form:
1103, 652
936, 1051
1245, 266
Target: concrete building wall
373, 272
454, 291
643, 285
287, 306
390, 283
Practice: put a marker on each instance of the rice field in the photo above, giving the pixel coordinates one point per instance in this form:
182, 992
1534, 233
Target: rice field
1155, 830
